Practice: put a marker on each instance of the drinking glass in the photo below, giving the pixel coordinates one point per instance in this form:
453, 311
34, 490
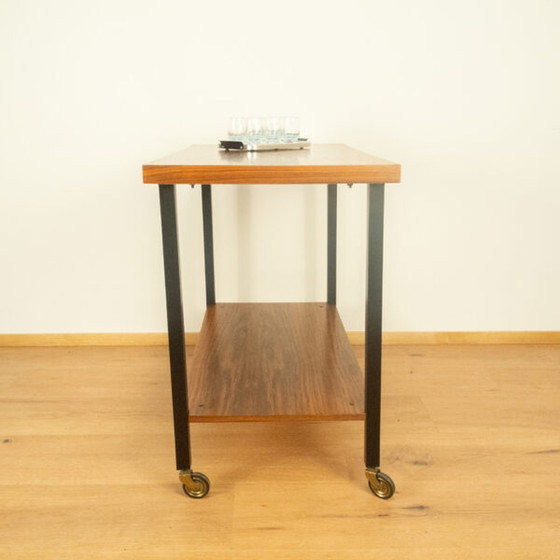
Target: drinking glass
291, 128
237, 128
274, 130
254, 130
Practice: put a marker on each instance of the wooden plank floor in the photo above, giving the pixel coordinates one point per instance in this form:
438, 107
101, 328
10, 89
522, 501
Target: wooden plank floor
471, 436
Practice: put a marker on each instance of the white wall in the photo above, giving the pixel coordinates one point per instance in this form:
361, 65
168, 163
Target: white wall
464, 94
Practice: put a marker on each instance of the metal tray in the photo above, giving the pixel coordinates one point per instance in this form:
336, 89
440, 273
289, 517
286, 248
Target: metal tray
239, 146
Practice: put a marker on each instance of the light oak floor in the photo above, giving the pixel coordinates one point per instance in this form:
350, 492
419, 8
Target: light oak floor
471, 436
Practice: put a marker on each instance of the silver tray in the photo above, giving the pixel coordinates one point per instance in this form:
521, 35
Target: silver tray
238, 146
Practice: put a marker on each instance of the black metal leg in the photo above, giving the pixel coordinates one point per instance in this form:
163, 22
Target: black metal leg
380, 484
373, 323
331, 244
175, 326
208, 244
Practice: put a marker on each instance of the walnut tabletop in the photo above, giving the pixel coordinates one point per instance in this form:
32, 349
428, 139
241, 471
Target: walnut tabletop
319, 164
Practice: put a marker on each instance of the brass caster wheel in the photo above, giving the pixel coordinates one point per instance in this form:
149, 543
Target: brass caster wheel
380, 483
195, 484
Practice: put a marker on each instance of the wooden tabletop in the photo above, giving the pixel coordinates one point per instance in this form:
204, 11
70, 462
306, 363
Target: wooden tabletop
319, 164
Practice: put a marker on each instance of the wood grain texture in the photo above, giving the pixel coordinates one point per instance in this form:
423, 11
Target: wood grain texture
354, 337
90, 339
462, 337
322, 163
470, 436
274, 361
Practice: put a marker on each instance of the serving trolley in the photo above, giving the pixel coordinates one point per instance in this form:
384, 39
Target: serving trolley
273, 361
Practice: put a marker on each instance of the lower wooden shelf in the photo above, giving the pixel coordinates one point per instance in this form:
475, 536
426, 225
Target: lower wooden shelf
274, 361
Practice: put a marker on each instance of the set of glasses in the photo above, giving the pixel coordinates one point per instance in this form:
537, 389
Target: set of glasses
264, 130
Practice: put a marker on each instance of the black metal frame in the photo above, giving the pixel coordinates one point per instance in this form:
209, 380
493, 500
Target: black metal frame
374, 302
206, 191
175, 325
175, 320
331, 243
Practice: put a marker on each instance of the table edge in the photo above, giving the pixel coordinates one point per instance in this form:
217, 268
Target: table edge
312, 174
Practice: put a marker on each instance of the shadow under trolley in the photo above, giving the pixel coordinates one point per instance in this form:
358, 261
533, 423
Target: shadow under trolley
273, 361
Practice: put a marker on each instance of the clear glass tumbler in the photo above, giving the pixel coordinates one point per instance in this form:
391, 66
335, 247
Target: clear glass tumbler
291, 127
237, 128
254, 130
274, 130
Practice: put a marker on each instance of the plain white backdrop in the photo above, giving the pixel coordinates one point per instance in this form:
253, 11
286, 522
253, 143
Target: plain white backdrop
465, 95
